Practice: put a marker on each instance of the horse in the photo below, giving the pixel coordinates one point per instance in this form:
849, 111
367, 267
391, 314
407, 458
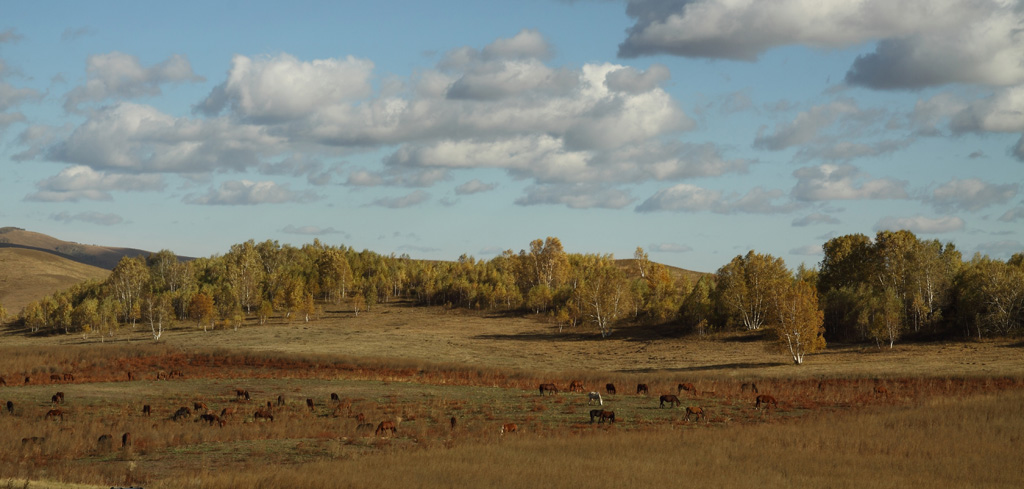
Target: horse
176, 373
161, 375
641, 388
33, 440
752, 387
280, 400
880, 391
595, 396
696, 411
69, 377
309, 403
54, 414
688, 387
453, 423
212, 418
10, 407
595, 413
361, 418
227, 411
200, 406
131, 375
28, 380
610, 388
385, 426
3, 382
334, 397
126, 439
105, 440
576, 386
509, 428
766, 400
262, 414
606, 415
54, 378
548, 388
182, 412
55, 399
672, 400
146, 410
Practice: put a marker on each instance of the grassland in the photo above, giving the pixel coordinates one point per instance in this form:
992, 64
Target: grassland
27, 275
954, 414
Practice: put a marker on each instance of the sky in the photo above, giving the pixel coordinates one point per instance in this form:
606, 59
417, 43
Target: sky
695, 129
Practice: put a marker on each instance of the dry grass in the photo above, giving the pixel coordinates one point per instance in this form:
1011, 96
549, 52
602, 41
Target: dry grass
27, 275
954, 413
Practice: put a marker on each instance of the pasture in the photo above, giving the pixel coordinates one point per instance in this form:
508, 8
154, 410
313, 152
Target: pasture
949, 413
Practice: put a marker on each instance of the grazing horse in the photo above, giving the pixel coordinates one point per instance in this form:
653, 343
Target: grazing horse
28, 379
752, 387
176, 373
262, 413
309, 404
880, 391
161, 375
182, 412
576, 386
641, 388
671, 399
33, 440
213, 418
595, 413
334, 397
385, 426
610, 388
606, 415
146, 410
10, 407
697, 411
361, 418
3, 382
55, 399
200, 406
688, 387
69, 377
131, 375
227, 411
126, 439
105, 440
54, 378
509, 428
280, 400
548, 388
766, 400
453, 423
595, 396
54, 414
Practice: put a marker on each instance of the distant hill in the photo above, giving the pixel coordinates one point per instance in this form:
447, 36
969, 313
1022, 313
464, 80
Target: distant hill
97, 256
27, 275
629, 265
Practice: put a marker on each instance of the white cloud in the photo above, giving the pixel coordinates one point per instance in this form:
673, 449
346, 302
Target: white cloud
83, 183
921, 42
1013, 215
474, 186
311, 230
685, 197
669, 248
282, 88
246, 192
815, 218
120, 75
805, 127
921, 224
971, 195
629, 79
808, 250
90, 217
843, 182
1001, 112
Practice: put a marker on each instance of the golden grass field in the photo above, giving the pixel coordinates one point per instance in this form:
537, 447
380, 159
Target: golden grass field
27, 275
953, 415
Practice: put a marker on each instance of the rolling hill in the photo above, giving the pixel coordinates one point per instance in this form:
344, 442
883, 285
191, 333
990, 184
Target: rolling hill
27, 275
97, 256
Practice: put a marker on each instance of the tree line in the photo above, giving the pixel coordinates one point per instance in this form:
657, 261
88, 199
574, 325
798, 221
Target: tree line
881, 290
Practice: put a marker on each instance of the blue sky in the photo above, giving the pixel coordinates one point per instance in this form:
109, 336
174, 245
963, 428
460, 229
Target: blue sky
697, 130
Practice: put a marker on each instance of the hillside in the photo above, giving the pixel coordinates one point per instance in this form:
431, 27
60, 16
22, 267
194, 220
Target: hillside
96, 256
27, 275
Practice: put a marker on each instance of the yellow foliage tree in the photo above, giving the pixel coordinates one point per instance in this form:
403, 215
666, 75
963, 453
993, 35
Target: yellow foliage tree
799, 323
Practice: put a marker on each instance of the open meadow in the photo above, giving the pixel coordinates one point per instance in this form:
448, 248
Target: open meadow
942, 413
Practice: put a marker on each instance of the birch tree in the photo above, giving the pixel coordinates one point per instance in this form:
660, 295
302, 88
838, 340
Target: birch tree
128, 281
745, 287
798, 323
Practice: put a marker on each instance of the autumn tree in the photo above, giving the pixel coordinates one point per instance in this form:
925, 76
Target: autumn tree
201, 309
334, 273
745, 287
245, 274
86, 314
128, 281
798, 323
990, 298
697, 309
156, 308
602, 293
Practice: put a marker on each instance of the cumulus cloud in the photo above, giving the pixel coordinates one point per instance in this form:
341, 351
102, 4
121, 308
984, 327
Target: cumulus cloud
685, 197
246, 192
805, 127
807, 250
474, 186
971, 195
415, 198
629, 79
843, 182
90, 217
77, 183
120, 75
1001, 112
311, 230
921, 224
815, 218
576, 196
669, 248
920, 42
1013, 215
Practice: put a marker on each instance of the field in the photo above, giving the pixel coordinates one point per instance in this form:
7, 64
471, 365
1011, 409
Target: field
944, 413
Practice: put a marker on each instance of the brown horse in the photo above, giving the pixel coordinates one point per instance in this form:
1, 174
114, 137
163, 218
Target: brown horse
227, 411
752, 387
642, 388
55, 378
105, 440
766, 400
54, 414
212, 418
453, 422
509, 428
672, 400
10, 407
3, 382
146, 410
594, 414
576, 386
69, 377
309, 403
262, 414
55, 399
606, 416
610, 388
696, 411
176, 373
126, 439
880, 391
688, 387
548, 388
182, 412
385, 426
335, 398
131, 375
200, 406
280, 400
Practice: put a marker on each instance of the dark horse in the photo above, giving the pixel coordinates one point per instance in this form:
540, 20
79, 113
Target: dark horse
672, 400
641, 388
548, 388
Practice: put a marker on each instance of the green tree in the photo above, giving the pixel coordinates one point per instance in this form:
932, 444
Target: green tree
201, 309
245, 274
127, 282
696, 309
86, 314
602, 294
745, 287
